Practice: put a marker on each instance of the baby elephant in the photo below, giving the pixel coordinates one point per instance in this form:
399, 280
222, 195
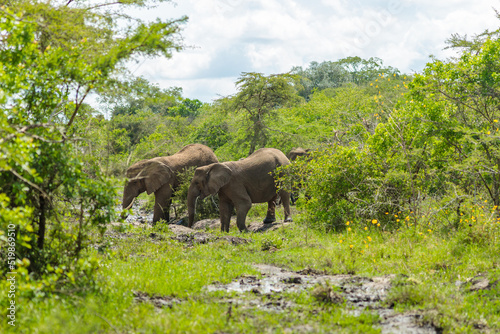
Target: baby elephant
239, 184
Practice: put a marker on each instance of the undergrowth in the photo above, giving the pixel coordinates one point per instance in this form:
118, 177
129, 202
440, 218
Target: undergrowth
430, 268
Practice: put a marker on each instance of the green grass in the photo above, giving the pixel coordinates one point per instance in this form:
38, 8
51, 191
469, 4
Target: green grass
434, 272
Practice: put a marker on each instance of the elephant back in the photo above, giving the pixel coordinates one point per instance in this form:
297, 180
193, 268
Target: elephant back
271, 157
193, 155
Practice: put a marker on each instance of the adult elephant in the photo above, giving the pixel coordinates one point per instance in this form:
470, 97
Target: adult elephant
239, 184
159, 176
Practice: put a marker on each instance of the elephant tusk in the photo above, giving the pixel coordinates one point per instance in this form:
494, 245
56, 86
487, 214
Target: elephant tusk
131, 203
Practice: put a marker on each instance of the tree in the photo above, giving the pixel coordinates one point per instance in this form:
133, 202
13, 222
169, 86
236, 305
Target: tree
468, 91
139, 95
49, 65
259, 96
329, 74
319, 76
188, 108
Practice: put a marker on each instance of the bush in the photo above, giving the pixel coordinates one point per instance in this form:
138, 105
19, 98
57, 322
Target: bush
337, 184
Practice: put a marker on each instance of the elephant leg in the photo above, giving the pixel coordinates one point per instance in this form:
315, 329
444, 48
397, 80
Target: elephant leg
242, 208
225, 209
285, 200
271, 211
162, 204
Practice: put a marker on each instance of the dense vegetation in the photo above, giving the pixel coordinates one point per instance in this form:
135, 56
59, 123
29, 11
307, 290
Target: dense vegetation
404, 176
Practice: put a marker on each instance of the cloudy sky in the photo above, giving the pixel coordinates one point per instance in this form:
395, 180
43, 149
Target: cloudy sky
228, 37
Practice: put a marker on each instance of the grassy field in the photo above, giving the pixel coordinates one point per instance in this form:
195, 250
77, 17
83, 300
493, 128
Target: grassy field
151, 283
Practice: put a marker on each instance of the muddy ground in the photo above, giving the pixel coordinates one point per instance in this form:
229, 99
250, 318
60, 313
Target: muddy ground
358, 294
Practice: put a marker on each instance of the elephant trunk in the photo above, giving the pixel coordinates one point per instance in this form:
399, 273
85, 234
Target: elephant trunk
130, 205
130, 192
193, 194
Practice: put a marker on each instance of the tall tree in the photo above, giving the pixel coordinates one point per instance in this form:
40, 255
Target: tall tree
334, 74
132, 96
467, 91
259, 96
52, 55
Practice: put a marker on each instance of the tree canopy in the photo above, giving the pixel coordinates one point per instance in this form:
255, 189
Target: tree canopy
53, 55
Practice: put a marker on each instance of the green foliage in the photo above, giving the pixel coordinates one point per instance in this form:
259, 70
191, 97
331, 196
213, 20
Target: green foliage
213, 127
188, 108
468, 91
328, 74
337, 184
405, 171
258, 98
429, 276
138, 95
402, 145
53, 199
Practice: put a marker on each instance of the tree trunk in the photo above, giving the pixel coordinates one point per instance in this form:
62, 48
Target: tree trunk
41, 223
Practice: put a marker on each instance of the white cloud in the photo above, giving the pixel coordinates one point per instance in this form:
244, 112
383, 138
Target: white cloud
272, 36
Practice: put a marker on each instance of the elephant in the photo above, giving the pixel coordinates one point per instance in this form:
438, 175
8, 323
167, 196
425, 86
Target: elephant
159, 176
297, 152
239, 184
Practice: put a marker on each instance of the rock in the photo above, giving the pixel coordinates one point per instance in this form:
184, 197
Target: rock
158, 301
261, 227
481, 283
207, 224
235, 240
191, 236
210, 224
179, 229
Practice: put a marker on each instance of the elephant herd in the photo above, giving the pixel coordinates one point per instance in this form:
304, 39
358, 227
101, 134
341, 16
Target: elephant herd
238, 183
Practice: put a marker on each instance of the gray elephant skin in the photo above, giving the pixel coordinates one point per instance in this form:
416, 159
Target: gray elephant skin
159, 176
298, 152
239, 184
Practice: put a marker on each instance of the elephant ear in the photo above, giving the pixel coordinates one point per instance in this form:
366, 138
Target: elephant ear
136, 169
157, 174
217, 177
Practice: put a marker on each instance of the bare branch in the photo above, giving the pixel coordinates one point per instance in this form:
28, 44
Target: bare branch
24, 129
16, 174
104, 5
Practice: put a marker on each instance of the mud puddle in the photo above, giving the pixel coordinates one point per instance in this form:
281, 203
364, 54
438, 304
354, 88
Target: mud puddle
158, 301
360, 294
